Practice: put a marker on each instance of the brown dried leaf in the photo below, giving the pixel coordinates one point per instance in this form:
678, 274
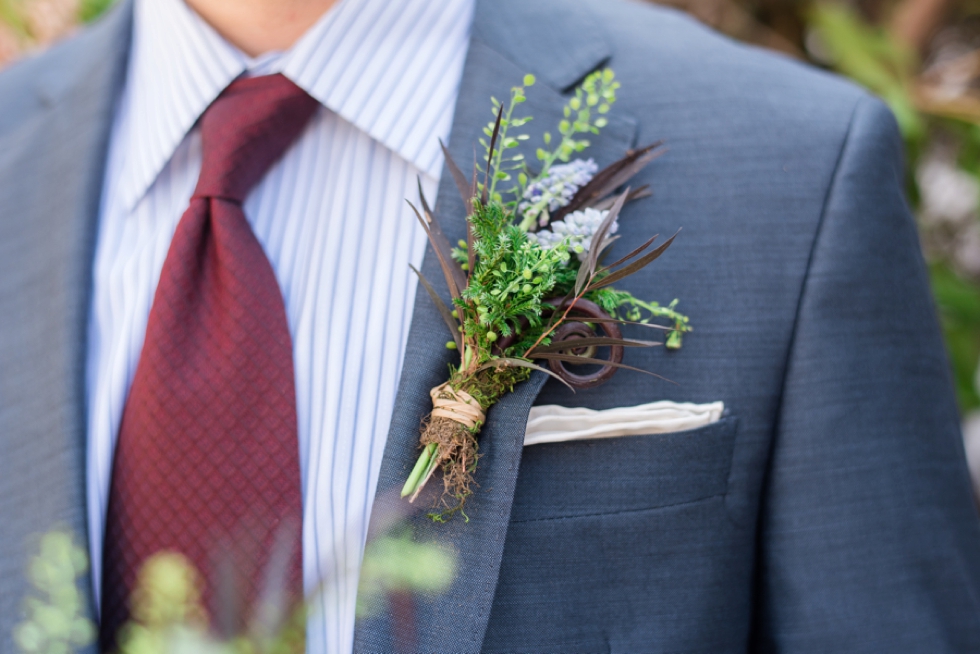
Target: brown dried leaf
635, 252
637, 194
459, 276
441, 248
562, 346
628, 270
595, 247
618, 321
447, 315
571, 358
581, 279
520, 363
426, 209
493, 142
607, 180
462, 185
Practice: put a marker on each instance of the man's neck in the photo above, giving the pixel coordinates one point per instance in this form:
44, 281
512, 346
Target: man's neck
260, 26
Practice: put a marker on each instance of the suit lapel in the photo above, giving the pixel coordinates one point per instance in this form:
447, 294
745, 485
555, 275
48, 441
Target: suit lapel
559, 45
52, 157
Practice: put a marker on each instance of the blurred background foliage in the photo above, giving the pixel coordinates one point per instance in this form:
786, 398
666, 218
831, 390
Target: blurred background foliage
27, 25
921, 56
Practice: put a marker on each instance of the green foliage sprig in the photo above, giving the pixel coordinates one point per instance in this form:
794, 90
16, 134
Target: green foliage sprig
511, 280
503, 166
596, 93
624, 304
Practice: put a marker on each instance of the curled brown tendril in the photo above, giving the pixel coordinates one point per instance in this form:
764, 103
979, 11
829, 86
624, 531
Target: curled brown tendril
569, 332
573, 330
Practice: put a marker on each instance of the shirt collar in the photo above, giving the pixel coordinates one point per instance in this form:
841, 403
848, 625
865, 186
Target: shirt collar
369, 61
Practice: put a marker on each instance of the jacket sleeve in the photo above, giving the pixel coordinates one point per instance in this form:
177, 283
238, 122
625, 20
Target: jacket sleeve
869, 538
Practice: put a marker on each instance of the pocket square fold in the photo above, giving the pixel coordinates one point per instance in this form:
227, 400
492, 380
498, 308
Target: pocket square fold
555, 424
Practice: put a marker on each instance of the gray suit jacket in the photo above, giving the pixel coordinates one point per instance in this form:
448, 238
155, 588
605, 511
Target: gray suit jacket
829, 511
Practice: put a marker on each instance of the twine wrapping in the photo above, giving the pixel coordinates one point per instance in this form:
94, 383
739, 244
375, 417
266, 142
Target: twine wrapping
459, 406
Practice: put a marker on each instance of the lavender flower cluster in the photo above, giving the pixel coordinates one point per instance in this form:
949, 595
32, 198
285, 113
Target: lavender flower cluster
555, 189
576, 230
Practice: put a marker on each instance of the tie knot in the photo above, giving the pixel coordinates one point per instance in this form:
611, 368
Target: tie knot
247, 129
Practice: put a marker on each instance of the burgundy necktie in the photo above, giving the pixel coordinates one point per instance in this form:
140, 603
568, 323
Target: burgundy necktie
207, 457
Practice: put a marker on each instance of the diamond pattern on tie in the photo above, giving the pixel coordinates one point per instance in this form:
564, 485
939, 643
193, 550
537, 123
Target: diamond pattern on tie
207, 458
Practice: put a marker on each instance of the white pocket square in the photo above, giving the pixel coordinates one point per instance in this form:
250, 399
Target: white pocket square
556, 424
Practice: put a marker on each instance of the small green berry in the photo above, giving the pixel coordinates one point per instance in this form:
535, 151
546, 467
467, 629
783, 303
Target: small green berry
527, 288
455, 314
491, 336
536, 280
451, 345
527, 273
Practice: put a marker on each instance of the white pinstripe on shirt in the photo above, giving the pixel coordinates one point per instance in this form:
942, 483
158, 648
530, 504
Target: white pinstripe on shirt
333, 221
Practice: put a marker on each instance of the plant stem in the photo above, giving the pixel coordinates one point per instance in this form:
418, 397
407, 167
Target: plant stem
498, 155
418, 472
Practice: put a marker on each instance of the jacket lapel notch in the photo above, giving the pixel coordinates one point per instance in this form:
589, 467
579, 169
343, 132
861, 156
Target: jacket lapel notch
558, 42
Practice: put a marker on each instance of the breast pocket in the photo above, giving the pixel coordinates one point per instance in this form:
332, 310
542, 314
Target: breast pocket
630, 473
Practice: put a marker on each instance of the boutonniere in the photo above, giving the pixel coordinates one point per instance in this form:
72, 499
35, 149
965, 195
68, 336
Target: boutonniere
530, 287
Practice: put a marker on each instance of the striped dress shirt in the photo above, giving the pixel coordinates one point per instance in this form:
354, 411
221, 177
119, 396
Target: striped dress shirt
332, 218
